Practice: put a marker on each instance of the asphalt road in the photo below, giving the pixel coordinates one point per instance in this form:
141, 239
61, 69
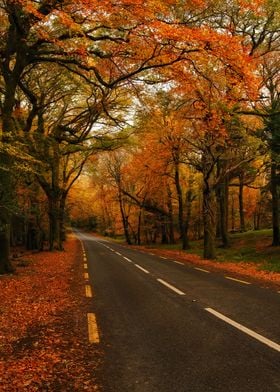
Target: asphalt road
168, 327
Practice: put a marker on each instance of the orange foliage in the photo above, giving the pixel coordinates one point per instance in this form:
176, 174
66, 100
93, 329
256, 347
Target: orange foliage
43, 335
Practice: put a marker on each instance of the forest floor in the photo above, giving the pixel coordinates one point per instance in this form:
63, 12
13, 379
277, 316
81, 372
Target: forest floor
250, 255
43, 310
43, 324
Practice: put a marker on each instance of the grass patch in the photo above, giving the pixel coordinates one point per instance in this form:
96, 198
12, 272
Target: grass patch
249, 247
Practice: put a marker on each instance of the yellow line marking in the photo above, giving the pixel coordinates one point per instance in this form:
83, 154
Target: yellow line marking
237, 280
93, 335
86, 275
88, 291
203, 270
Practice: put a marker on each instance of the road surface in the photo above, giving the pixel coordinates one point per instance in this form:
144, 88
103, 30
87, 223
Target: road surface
169, 327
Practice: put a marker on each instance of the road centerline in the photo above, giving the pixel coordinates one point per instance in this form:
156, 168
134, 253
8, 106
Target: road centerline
127, 259
141, 268
171, 287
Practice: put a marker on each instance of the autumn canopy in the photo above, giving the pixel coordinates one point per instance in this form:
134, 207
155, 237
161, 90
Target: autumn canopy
170, 106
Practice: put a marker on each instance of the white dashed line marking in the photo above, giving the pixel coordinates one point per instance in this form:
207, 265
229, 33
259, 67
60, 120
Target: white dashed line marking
171, 287
237, 280
178, 262
86, 275
119, 254
127, 259
141, 268
202, 270
162, 257
246, 330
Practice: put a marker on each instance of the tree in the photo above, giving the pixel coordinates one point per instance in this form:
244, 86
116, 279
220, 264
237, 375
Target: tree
271, 135
106, 44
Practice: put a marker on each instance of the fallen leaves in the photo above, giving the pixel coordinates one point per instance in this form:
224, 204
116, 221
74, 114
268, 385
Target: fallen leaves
43, 328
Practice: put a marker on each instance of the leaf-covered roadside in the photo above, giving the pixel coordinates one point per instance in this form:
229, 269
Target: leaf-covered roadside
43, 328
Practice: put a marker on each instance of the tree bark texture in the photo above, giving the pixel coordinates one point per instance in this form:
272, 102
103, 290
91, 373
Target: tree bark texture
209, 221
275, 205
183, 234
241, 204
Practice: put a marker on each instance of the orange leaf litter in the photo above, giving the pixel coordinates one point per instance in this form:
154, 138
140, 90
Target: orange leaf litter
43, 327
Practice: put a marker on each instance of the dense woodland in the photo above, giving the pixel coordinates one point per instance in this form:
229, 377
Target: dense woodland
157, 120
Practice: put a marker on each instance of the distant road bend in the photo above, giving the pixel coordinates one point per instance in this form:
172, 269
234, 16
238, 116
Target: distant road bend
169, 327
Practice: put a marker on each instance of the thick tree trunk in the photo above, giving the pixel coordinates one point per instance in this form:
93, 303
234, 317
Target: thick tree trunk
53, 213
223, 213
61, 221
31, 237
139, 227
189, 200
5, 264
6, 180
232, 214
209, 221
183, 234
170, 216
163, 225
275, 205
124, 219
241, 204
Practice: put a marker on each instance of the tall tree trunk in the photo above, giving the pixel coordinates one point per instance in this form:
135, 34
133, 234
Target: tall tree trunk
218, 214
185, 242
5, 264
189, 200
61, 221
53, 212
139, 227
124, 218
223, 213
6, 181
209, 220
275, 204
232, 214
170, 216
163, 226
241, 204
